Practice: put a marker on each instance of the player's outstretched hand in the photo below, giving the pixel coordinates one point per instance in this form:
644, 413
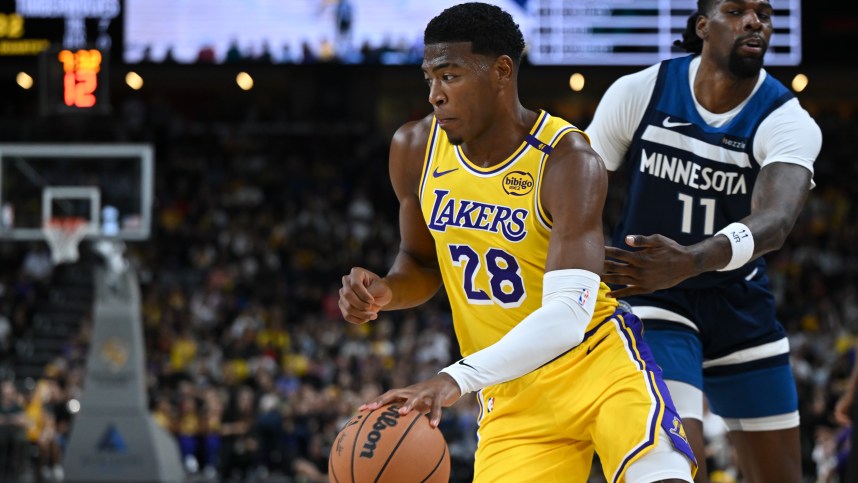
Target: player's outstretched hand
660, 263
426, 396
363, 295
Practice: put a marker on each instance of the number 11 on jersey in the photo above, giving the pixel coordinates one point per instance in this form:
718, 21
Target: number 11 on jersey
708, 205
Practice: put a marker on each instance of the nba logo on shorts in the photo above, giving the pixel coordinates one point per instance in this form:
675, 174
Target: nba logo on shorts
582, 299
490, 404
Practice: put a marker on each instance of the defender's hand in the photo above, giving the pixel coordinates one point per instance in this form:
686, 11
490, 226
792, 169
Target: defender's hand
363, 295
661, 263
427, 396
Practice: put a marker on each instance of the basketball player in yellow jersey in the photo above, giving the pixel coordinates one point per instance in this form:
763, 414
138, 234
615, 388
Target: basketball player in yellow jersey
504, 205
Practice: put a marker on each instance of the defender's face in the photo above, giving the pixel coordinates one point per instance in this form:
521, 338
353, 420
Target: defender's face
461, 89
737, 34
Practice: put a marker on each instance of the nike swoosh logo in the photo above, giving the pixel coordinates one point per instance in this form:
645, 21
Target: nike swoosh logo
462, 362
438, 174
668, 123
590, 349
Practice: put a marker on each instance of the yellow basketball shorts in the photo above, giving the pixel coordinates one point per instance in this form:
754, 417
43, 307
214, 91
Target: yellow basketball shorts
605, 395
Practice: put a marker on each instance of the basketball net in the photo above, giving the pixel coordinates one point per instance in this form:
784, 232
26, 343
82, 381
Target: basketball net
64, 236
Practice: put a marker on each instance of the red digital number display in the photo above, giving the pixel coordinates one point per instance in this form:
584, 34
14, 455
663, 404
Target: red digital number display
80, 76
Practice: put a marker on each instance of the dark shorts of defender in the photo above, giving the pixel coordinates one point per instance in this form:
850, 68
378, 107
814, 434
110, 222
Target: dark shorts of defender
726, 341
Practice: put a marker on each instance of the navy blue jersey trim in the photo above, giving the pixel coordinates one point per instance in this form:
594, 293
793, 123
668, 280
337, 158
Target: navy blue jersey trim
536, 143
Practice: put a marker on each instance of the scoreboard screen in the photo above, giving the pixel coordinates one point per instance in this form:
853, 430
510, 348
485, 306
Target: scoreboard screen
70, 43
29, 28
557, 32
635, 32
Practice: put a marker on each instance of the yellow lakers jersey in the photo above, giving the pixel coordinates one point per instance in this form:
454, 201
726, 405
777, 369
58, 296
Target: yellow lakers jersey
491, 232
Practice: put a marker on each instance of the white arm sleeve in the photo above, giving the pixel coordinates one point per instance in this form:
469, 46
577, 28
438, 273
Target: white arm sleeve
568, 302
618, 115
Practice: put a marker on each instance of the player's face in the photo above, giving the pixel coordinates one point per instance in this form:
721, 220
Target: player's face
461, 89
737, 34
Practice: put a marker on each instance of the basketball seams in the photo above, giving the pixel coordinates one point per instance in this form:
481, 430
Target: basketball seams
398, 444
412, 441
356, 439
331, 467
437, 465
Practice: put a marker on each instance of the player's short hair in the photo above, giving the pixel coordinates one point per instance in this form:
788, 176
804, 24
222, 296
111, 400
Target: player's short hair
690, 41
489, 29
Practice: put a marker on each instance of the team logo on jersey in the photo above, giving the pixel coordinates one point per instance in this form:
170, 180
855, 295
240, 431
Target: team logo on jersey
476, 215
669, 124
692, 174
518, 183
677, 429
438, 174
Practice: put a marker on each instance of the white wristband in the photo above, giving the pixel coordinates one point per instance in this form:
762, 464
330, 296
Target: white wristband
742, 243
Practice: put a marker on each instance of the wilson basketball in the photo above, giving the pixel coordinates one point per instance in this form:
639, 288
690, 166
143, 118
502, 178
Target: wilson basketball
385, 447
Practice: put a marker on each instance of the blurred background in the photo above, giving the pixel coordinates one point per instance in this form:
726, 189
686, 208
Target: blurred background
270, 123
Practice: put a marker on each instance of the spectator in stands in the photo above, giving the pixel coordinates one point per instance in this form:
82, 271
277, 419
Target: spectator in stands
13, 425
238, 444
188, 430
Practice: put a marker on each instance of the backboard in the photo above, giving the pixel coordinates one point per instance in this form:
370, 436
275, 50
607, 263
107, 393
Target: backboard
110, 185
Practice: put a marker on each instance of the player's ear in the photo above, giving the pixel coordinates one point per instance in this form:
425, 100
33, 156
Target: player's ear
702, 26
504, 69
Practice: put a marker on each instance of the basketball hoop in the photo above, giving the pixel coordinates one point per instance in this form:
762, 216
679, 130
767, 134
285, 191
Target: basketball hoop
64, 236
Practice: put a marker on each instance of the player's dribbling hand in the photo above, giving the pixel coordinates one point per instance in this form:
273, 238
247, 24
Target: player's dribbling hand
426, 396
363, 295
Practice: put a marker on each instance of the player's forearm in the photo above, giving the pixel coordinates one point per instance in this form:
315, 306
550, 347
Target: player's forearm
568, 303
766, 232
709, 255
411, 282
770, 230
779, 195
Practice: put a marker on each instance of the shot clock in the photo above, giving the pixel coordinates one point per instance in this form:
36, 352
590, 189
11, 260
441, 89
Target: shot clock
80, 76
74, 81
